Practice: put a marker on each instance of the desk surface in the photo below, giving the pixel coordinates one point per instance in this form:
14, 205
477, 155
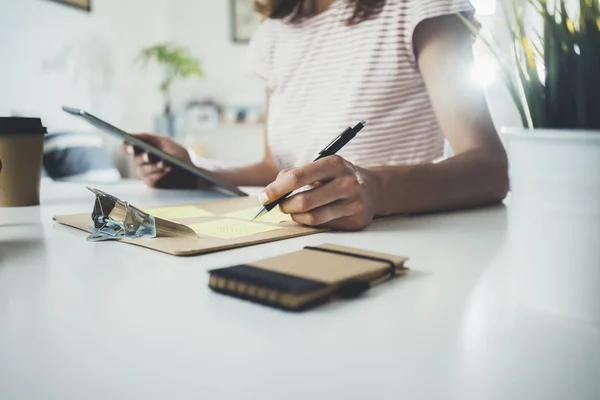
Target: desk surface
81, 320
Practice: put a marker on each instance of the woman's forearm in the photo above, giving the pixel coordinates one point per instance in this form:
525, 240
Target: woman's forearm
471, 179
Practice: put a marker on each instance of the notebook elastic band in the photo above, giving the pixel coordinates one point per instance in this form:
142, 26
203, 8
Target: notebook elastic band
362, 257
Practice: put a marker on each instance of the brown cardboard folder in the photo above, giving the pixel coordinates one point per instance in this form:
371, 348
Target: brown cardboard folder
180, 242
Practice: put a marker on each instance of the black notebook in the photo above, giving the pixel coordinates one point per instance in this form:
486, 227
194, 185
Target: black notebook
308, 277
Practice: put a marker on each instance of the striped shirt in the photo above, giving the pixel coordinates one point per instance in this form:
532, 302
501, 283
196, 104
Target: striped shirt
325, 75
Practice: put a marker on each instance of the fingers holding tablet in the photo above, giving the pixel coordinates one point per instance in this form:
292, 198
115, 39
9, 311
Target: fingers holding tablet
156, 172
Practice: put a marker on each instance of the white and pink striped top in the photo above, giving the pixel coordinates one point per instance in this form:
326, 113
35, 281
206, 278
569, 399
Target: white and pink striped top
325, 76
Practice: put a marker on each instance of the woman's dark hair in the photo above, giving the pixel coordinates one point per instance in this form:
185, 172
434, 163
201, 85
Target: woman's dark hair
298, 10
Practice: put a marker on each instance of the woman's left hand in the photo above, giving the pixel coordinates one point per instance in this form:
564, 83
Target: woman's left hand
343, 196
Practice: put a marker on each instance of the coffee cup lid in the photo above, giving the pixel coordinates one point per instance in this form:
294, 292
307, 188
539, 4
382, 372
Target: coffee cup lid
21, 125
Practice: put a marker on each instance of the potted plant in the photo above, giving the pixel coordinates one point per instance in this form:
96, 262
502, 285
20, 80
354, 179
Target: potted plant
176, 63
553, 76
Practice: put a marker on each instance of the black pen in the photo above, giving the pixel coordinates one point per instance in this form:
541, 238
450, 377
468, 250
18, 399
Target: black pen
332, 148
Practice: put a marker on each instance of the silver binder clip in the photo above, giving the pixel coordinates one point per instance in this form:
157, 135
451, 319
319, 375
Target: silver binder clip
116, 219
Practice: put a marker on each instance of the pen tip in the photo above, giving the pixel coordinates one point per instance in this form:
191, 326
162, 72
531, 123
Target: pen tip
363, 122
260, 213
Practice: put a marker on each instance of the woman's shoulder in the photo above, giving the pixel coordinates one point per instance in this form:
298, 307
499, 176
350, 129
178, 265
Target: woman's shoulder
264, 33
268, 29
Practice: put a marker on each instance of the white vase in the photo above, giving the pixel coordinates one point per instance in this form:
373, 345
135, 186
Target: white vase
554, 219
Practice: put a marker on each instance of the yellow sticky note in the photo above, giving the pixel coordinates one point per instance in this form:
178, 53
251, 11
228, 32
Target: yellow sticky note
275, 216
230, 228
178, 212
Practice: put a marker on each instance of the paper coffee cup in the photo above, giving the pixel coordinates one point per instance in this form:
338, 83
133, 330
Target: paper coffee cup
21, 152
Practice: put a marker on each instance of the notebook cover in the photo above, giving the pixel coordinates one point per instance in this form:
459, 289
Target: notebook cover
306, 278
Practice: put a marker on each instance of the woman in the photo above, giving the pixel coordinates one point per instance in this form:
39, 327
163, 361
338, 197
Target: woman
401, 65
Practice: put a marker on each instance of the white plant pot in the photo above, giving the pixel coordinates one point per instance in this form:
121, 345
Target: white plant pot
554, 219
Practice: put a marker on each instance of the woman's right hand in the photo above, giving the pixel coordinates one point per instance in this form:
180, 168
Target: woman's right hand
156, 172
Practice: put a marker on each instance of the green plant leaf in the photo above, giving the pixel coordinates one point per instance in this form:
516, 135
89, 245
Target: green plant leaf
568, 95
176, 62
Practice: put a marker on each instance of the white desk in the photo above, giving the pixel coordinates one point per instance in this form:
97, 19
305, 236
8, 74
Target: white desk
82, 320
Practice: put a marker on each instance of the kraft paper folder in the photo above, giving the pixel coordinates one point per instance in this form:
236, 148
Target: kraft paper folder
198, 228
309, 277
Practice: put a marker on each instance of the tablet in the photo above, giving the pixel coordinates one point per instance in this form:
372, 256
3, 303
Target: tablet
218, 184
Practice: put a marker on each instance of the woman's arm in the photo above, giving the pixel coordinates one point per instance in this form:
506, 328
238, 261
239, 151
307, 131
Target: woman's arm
156, 173
477, 174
